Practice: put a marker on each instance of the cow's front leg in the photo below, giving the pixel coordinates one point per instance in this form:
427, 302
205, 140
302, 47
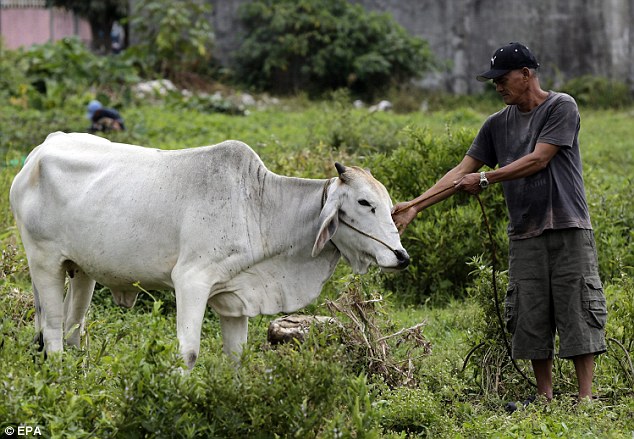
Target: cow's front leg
190, 311
234, 335
48, 288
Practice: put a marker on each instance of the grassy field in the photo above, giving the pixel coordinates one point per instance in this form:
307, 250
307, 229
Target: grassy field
126, 379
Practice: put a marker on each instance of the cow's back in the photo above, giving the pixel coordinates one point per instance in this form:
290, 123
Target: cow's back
120, 211
74, 177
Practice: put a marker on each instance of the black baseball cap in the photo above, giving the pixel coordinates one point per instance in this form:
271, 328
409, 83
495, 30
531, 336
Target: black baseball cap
513, 56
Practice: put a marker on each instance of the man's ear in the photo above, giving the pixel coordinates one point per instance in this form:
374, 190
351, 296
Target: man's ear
328, 224
526, 72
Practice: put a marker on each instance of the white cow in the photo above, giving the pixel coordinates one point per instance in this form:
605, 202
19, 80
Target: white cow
212, 223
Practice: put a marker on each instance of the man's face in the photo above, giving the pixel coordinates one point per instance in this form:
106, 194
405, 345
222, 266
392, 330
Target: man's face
512, 85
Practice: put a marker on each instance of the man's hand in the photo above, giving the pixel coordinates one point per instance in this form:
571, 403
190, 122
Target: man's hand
403, 214
457, 178
469, 183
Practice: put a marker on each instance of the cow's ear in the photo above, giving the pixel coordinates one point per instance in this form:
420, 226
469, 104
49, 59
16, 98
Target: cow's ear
328, 223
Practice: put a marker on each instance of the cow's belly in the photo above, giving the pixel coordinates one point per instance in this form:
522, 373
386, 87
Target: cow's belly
124, 277
119, 260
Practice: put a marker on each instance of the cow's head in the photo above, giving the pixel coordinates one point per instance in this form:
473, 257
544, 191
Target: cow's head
357, 218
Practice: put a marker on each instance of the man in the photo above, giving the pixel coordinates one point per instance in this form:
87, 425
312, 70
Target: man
554, 284
103, 119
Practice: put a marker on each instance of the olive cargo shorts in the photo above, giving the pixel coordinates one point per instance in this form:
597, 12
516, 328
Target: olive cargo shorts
554, 287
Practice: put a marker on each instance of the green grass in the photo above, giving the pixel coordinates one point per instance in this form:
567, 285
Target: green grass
126, 380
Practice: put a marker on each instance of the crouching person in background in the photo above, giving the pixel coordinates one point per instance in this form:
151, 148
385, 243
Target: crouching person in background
103, 119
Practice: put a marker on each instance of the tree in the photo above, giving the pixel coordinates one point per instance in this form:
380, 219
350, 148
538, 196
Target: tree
323, 45
101, 14
173, 38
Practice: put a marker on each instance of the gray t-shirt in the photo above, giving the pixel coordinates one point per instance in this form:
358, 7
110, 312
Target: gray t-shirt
553, 198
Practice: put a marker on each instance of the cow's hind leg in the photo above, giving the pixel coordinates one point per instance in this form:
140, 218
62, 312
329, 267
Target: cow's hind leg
234, 335
76, 304
39, 339
48, 288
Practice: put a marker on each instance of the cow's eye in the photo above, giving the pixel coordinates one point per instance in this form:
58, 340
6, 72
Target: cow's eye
367, 204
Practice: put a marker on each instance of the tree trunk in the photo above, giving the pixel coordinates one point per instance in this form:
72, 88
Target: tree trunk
101, 35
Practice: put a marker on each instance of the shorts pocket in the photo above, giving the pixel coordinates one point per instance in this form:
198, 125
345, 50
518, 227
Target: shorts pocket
593, 302
510, 308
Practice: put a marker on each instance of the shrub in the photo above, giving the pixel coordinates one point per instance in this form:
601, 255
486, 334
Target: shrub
612, 208
172, 38
292, 391
444, 237
12, 78
65, 69
415, 412
599, 92
29, 127
354, 132
492, 371
619, 373
324, 45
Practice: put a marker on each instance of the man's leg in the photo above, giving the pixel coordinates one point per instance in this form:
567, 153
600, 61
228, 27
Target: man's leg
579, 298
543, 370
584, 366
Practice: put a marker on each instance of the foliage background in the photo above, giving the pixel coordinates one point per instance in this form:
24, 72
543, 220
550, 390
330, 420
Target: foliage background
322, 45
126, 380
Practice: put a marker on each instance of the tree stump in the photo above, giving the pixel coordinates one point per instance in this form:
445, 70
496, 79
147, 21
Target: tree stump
294, 327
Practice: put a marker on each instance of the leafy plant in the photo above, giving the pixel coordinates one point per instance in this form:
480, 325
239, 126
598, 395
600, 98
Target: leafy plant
599, 92
620, 330
413, 412
322, 45
67, 69
446, 236
352, 131
172, 38
488, 360
12, 78
612, 207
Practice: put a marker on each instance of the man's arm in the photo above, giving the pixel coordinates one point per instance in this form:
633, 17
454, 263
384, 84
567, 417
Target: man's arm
405, 212
522, 167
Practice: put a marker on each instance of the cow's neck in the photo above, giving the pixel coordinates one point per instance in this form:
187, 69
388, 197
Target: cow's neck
287, 277
294, 215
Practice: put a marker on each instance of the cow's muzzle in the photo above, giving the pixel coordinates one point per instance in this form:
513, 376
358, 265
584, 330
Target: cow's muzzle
402, 258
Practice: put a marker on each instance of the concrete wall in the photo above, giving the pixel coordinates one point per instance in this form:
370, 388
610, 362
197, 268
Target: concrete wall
569, 37
24, 26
